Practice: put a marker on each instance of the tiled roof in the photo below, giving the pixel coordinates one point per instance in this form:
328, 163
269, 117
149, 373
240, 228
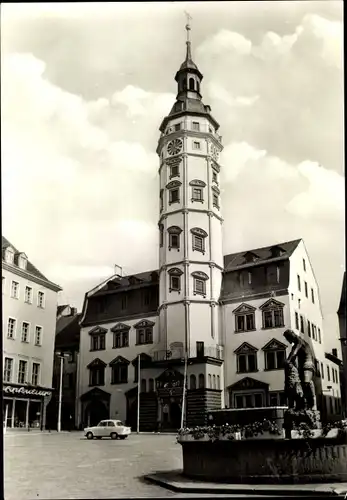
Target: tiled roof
237, 260
129, 281
60, 309
30, 267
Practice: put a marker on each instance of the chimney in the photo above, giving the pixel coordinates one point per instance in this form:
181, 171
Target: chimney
118, 270
73, 311
334, 352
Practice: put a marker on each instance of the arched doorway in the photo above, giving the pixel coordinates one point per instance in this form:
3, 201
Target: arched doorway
175, 415
94, 412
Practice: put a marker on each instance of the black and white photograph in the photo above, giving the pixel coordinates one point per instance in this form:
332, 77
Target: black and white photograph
173, 249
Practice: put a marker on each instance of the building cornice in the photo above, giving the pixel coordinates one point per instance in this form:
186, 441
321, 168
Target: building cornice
196, 210
254, 296
25, 274
182, 262
189, 302
119, 319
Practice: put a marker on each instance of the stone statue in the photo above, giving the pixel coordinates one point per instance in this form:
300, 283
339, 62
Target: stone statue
300, 368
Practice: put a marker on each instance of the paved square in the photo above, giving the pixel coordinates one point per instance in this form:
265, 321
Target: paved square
67, 465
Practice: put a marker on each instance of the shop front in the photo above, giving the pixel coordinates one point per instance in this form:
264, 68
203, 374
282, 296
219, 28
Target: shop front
25, 406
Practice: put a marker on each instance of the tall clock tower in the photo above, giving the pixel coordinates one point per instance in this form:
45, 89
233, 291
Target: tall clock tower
190, 222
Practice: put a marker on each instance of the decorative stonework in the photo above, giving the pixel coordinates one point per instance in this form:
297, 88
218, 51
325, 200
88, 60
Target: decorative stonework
244, 309
174, 147
120, 327
173, 184
245, 348
197, 183
198, 232
144, 324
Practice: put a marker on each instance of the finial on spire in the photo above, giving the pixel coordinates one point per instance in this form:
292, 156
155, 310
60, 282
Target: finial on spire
189, 17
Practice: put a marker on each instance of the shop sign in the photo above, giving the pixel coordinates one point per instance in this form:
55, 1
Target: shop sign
24, 391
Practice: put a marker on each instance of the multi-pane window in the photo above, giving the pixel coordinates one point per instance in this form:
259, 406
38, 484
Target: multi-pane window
299, 283
175, 283
302, 326
11, 328
144, 336
199, 286
15, 289
119, 373
121, 339
247, 363
306, 289
273, 318
98, 342
196, 126
9, 256
8, 369
177, 127
174, 240
22, 371
40, 299
198, 243
25, 331
28, 295
312, 295
35, 375
215, 200
174, 171
244, 322
174, 195
304, 264
309, 328
254, 400
196, 145
277, 399
296, 321
274, 360
197, 194
38, 335
97, 375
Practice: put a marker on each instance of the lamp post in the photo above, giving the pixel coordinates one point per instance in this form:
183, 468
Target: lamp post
61, 356
138, 393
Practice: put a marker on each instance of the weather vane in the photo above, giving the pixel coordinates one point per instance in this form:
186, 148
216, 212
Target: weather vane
189, 17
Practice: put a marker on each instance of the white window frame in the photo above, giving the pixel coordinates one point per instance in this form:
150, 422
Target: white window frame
30, 301
35, 342
28, 332
43, 301
26, 371
15, 296
11, 372
14, 329
196, 126
38, 375
9, 256
196, 145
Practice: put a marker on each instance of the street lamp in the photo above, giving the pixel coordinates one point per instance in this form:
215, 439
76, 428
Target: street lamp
60, 355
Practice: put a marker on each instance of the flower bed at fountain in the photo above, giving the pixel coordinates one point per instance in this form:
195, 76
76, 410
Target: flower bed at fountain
259, 453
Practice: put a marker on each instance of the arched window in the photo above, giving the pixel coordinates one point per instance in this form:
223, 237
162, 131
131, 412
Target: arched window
201, 381
143, 385
191, 84
150, 385
192, 384
210, 381
218, 382
214, 382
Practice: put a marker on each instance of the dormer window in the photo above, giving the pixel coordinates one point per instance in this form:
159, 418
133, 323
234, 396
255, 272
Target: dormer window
276, 251
9, 255
22, 261
251, 257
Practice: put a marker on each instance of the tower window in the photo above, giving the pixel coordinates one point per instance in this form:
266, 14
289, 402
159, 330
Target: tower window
191, 84
161, 235
196, 126
299, 283
196, 145
200, 279
177, 127
214, 177
175, 279
215, 200
199, 236
161, 199
174, 195
312, 295
174, 171
197, 194
306, 289
304, 264
174, 241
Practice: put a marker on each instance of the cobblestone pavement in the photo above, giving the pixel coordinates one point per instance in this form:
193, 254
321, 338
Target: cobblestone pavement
67, 465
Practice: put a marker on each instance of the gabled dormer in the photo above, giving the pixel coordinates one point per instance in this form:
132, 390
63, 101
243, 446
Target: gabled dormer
276, 251
9, 255
22, 260
250, 257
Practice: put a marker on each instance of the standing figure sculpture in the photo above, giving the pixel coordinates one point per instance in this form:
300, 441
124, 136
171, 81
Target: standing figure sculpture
299, 364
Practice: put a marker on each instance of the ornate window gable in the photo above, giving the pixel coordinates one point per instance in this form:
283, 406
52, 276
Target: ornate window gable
97, 330
174, 230
173, 184
200, 275
198, 232
120, 327
96, 363
274, 345
197, 183
175, 271
272, 304
215, 167
119, 360
215, 189
145, 323
244, 309
172, 162
246, 348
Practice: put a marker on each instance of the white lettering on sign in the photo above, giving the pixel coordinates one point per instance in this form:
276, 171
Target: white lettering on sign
26, 392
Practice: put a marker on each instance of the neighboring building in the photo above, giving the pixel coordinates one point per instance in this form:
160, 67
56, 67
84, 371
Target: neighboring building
67, 341
343, 339
225, 315
29, 302
335, 397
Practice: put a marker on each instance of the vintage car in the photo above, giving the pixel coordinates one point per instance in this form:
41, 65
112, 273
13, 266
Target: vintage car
114, 429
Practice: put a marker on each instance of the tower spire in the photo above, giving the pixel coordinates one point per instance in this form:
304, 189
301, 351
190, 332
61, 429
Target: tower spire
188, 42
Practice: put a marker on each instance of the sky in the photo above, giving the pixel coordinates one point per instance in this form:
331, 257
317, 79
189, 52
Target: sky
84, 90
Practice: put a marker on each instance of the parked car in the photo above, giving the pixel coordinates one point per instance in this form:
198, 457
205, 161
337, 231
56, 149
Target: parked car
115, 429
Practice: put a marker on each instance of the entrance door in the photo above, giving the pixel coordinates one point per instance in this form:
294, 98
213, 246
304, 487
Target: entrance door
95, 411
175, 415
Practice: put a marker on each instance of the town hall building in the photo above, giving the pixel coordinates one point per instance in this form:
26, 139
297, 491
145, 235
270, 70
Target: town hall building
204, 325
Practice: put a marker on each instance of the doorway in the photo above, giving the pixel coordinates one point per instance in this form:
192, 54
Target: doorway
94, 412
175, 415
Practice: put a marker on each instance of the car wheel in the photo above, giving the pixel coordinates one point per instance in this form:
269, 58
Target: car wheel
90, 435
114, 435
123, 437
